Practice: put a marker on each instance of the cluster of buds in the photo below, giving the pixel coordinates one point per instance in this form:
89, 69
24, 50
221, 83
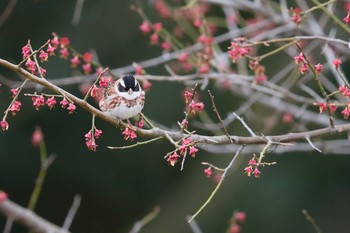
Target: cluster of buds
252, 168
91, 137
347, 18
30, 64
193, 106
155, 29
259, 71
37, 136
237, 219
296, 16
303, 64
187, 146
68, 105
129, 133
4, 125
238, 49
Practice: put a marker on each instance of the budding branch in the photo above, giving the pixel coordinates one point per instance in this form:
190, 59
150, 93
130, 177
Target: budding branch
177, 135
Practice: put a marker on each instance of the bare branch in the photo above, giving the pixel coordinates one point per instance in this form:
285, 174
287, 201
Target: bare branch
72, 211
28, 218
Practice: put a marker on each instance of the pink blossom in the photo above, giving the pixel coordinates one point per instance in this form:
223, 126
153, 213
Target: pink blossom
188, 96
204, 69
322, 106
50, 102
318, 68
38, 101
43, 71
248, 170
166, 46
332, 108
208, 172
87, 68
345, 113
154, 38
347, 19
337, 62
260, 79
140, 124
50, 50
145, 27
71, 108
205, 40
64, 53
43, 56
64, 41
31, 66
198, 23
157, 27
240, 216
104, 82
74, 62
98, 133
37, 136
4, 125
64, 103
256, 172
87, 57
146, 85
15, 107
162, 9
193, 151
3, 196
94, 91
300, 58
138, 69
303, 68
235, 228
252, 162
183, 57
14, 91
91, 144
172, 159
129, 134
296, 17
196, 107
54, 41
237, 50
26, 51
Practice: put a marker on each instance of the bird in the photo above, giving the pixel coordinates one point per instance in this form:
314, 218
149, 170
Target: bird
124, 99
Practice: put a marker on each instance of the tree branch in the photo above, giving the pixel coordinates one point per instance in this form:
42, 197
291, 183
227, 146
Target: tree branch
28, 218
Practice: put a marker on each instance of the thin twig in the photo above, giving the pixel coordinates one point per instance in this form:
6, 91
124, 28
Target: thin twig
219, 117
312, 145
145, 220
311, 220
7, 12
244, 124
193, 225
72, 211
217, 186
134, 145
77, 12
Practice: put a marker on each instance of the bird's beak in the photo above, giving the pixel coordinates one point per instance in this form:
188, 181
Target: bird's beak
130, 91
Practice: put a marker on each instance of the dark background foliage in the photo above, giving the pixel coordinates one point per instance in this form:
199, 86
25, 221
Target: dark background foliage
120, 187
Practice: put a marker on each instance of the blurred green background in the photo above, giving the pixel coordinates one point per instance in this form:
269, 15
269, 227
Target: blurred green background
120, 187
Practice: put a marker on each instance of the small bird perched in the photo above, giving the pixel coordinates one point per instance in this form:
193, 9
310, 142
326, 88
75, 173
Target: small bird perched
124, 99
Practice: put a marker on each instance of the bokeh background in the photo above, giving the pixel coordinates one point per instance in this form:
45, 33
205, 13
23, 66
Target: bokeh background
120, 187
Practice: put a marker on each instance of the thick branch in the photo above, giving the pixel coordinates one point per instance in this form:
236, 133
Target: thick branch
176, 135
28, 218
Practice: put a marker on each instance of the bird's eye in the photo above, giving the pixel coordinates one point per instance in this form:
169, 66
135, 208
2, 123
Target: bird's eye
121, 88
